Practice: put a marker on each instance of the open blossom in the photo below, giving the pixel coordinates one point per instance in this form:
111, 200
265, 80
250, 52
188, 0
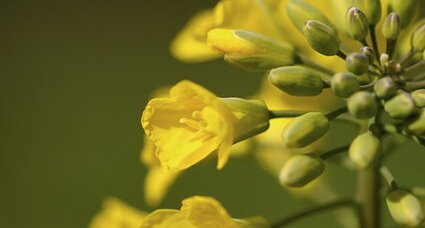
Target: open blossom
188, 126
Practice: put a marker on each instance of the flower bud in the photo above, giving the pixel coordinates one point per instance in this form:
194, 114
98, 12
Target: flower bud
405, 208
321, 37
305, 129
371, 8
344, 84
249, 49
405, 9
364, 149
384, 59
297, 80
357, 63
419, 98
417, 126
301, 169
385, 87
370, 54
252, 117
356, 23
362, 105
299, 12
391, 26
400, 106
418, 38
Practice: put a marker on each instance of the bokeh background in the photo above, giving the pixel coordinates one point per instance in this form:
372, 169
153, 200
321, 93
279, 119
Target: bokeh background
74, 78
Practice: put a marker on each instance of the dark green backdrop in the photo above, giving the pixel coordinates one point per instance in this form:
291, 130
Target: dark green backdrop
74, 78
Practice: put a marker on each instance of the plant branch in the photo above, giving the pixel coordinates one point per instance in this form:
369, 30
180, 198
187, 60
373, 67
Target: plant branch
334, 152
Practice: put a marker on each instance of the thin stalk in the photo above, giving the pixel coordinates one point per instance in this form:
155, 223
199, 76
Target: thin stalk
414, 85
341, 54
407, 57
414, 66
374, 41
287, 220
368, 184
388, 177
333, 114
334, 152
285, 113
302, 59
390, 47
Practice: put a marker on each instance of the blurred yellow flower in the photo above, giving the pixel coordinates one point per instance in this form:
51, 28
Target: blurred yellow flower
117, 214
197, 212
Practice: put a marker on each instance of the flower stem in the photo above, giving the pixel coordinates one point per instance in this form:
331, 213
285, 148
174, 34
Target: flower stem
374, 42
368, 183
388, 177
333, 114
334, 152
302, 59
285, 113
302, 214
411, 86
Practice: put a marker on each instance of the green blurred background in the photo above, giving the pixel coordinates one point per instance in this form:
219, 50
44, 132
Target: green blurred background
74, 79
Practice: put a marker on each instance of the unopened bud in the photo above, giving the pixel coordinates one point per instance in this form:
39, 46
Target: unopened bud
344, 84
400, 106
253, 117
384, 59
365, 50
299, 12
305, 129
417, 126
418, 38
364, 149
249, 49
357, 63
419, 98
385, 87
405, 208
356, 23
405, 9
321, 37
301, 170
391, 26
362, 105
371, 8
297, 80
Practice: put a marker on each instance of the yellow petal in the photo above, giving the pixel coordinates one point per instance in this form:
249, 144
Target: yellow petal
190, 44
147, 155
117, 214
206, 212
157, 184
165, 218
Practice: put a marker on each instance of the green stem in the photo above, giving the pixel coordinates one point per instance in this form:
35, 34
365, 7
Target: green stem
368, 182
388, 177
333, 114
302, 59
334, 152
390, 47
302, 214
411, 86
341, 54
408, 57
374, 42
285, 113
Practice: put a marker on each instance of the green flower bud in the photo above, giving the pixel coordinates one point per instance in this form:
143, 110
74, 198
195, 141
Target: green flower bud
371, 8
357, 63
405, 9
344, 84
391, 26
250, 50
365, 50
384, 59
417, 126
364, 149
321, 37
419, 98
301, 170
362, 105
405, 208
385, 87
253, 117
297, 80
418, 38
400, 106
305, 129
299, 12
356, 23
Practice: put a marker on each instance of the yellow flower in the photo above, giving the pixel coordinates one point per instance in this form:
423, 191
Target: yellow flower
117, 214
188, 126
197, 212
